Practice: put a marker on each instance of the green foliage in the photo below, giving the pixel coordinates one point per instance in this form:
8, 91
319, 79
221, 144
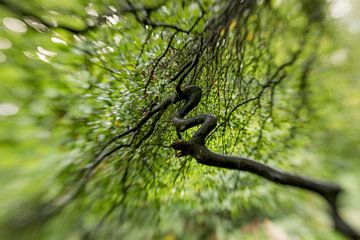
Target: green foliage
75, 92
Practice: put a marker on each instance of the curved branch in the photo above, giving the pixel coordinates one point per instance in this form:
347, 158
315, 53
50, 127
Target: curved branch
196, 148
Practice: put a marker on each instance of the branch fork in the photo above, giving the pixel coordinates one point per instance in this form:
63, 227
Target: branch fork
196, 148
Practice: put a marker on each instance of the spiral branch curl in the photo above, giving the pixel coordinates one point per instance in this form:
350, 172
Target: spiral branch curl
196, 148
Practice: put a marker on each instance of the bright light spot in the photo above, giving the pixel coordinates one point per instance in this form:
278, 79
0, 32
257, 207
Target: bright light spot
58, 40
91, 11
90, 22
165, 9
99, 44
8, 109
5, 43
355, 27
29, 54
15, 25
2, 57
112, 8
79, 38
46, 52
340, 8
42, 57
111, 49
36, 25
278, 2
113, 19
339, 57
117, 38
54, 23
94, 60
193, 6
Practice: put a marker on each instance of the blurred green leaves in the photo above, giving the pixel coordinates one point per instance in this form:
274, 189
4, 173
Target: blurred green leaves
66, 94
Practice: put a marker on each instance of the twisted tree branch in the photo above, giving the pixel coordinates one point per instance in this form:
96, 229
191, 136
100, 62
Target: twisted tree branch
196, 148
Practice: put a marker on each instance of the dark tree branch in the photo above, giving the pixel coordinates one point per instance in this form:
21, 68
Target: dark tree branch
146, 21
196, 148
24, 13
21, 12
148, 9
157, 61
158, 109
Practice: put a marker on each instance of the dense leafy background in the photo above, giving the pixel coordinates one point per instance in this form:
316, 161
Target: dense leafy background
62, 96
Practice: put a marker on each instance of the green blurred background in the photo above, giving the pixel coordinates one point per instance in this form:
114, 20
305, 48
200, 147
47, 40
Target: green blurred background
33, 134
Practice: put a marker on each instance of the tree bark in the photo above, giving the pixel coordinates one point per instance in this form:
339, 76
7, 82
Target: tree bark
196, 148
